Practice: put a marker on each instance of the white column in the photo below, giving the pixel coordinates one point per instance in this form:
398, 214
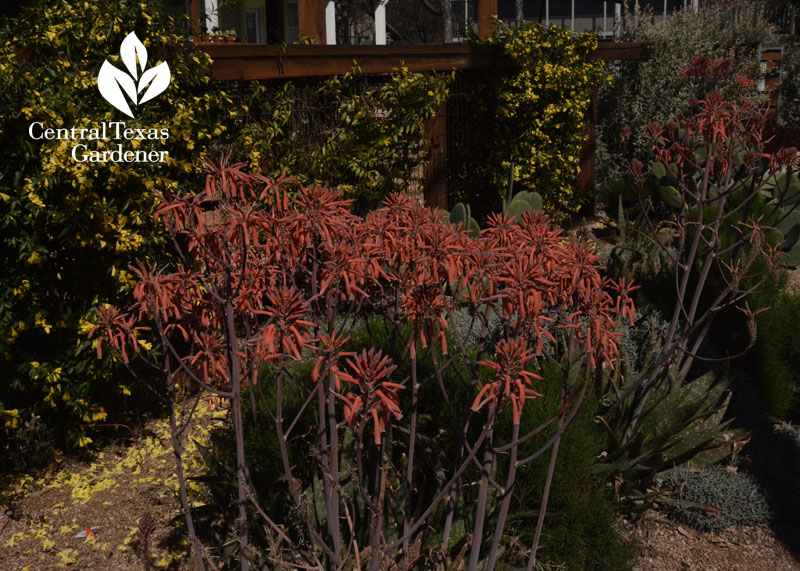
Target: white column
605, 18
695, 5
547, 13
572, 20
617, 19
330, 23
665, 13
380, 23
212, 15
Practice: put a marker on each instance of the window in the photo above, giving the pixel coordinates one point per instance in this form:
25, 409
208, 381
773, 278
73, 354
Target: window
252, 27
292, 22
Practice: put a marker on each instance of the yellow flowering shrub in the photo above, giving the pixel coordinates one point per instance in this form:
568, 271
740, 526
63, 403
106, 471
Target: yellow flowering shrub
531, 116
70, 228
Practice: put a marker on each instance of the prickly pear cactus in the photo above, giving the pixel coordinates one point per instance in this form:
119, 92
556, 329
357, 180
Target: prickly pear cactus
782, 194
671, 197
462, 215
513, 205
522, 202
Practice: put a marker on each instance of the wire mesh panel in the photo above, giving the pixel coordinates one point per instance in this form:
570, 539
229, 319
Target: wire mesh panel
458, 136
312, 115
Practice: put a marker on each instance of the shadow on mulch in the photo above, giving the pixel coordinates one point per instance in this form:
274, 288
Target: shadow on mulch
774, 453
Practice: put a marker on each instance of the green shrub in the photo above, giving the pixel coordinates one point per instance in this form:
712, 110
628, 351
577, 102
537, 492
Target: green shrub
716, 498
580, 529
790, 86
775, 455
656, 89
581, 523
69, 230
531, 117
776, 354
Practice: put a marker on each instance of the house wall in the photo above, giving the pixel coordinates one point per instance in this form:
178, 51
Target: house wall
234, 18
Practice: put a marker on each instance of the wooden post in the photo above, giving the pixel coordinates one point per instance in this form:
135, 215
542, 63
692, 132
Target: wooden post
194, 16
771, 60
435, 190
311, 14
487, 17
586, 176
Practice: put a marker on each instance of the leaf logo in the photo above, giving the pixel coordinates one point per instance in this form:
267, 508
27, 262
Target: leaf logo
114, 84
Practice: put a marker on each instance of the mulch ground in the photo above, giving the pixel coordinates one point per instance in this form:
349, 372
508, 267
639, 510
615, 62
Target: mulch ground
123, 484
667, 546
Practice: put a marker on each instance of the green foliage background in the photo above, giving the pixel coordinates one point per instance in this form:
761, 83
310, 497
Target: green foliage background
69, 230
656, 89
777, 353
580, 529
790, 85
530, 117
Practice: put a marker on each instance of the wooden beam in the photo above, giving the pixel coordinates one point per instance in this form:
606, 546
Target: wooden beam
487, 17
312, 19
612, 51
258, 61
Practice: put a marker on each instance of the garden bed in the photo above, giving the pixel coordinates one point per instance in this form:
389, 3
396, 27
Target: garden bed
666, 545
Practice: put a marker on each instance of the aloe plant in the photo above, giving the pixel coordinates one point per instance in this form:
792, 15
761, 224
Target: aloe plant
513, 205
683, 425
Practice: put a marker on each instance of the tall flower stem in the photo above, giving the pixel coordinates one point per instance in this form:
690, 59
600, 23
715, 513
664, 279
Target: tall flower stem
506, 503
480, 510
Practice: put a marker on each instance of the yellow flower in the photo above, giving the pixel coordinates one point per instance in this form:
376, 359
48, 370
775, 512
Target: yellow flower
35, 199
67, 557
13, 419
